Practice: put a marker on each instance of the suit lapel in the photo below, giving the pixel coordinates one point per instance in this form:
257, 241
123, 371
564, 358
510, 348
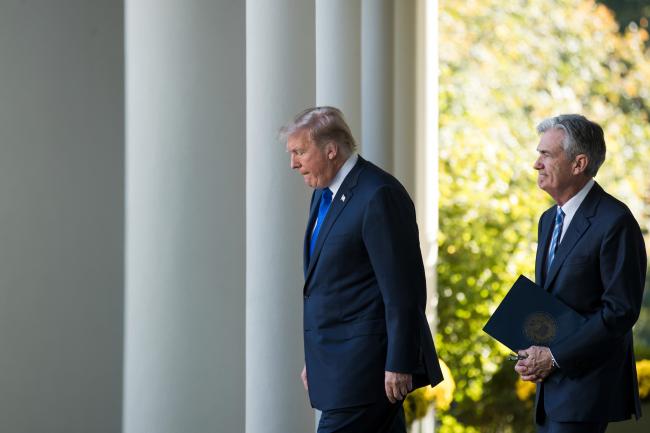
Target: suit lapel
313, 213
337, 206
545, 237
578, 226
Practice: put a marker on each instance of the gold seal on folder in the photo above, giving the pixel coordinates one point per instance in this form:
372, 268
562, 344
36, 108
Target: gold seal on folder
540, 327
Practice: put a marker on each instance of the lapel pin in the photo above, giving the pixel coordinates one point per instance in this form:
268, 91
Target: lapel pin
343, 198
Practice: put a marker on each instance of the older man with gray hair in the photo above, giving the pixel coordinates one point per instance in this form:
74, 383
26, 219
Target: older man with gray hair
591, 256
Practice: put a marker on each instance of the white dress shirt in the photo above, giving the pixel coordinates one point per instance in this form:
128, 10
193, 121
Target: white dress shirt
571, 206
340, 176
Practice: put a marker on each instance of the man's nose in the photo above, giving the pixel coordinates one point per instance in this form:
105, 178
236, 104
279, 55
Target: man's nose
294, 162
538, 165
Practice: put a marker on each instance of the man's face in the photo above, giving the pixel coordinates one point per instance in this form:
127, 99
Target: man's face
554, 169
314, 164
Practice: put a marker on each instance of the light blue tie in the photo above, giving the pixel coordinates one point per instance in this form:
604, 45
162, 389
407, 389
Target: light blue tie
325, 201
555, 240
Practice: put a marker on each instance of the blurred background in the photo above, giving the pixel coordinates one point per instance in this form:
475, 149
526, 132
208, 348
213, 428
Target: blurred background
151, 229
504, 66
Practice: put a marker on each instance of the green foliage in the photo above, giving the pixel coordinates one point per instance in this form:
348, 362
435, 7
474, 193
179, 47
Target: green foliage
495, 414
504, 66
642, 326
416, 405
643, 371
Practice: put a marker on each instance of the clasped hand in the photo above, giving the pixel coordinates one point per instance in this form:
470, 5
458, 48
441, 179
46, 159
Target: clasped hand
537, 365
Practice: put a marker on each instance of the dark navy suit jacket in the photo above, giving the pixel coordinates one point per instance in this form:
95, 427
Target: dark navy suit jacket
599, 271
365, 293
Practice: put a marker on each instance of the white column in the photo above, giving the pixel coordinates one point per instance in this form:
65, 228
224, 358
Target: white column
427, 147
427, 196
404, 108
280, 76
377, 81
185, 299
61, 217
338, 58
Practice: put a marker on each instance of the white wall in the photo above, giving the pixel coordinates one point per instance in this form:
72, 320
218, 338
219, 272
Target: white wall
185, 292
61, 216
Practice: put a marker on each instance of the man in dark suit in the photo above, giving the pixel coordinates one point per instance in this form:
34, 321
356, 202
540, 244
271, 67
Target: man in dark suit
367, 339
592, 257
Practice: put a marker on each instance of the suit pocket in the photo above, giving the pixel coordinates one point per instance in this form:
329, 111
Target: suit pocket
556, 377
355, 329
578, 260
369, 327
342, 237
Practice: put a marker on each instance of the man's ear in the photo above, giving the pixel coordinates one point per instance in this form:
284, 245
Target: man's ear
580, 163
331, 150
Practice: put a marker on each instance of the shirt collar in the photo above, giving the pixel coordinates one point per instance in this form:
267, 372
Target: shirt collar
342, 173
572, 205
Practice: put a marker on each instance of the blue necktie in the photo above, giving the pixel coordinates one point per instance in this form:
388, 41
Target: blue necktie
555, 240
325, 201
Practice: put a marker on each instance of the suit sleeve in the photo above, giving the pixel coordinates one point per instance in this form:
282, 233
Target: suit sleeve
622, 272
390, 235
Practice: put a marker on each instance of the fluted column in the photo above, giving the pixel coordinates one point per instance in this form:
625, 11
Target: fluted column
62, 216
377, 81
427, 191
280, 75
185, 302
404, 108
338, 58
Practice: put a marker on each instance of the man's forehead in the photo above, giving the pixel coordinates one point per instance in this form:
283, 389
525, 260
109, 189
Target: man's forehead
551, 139
298, 140
554, 134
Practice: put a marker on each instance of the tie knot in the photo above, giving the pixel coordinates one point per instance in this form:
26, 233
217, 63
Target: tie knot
327, 195
559, 215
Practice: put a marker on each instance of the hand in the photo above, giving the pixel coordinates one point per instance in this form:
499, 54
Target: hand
397, 385
303, 376
537, 366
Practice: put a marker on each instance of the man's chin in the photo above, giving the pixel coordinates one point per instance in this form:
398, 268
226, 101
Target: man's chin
544, 186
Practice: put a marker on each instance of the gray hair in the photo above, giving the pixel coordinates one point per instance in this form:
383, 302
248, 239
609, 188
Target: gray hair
581, 135
324, 125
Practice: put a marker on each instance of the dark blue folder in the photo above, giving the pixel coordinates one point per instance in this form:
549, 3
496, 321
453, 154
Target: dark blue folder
529, 315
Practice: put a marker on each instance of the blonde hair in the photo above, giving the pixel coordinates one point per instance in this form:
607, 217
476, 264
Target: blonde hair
324, 125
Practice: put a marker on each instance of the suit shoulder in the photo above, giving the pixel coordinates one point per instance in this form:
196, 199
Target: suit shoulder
373, 178
613, 214
547, 212
613, 206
